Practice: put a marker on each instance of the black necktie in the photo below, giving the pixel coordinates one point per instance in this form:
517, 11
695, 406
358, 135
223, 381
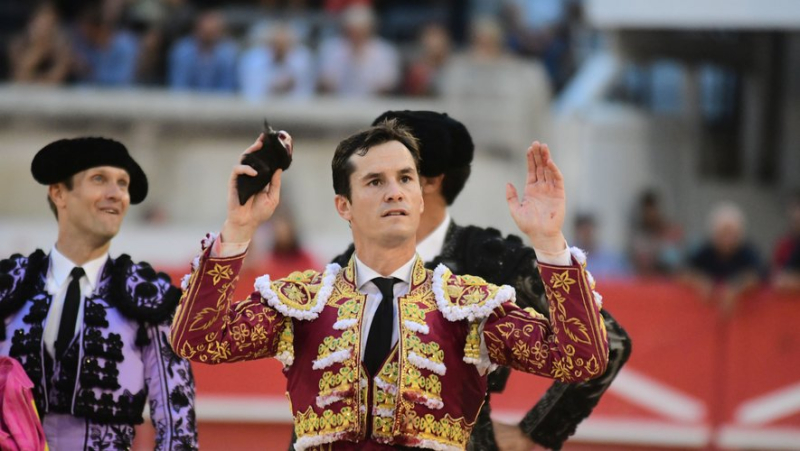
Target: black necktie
380, 333
69, 314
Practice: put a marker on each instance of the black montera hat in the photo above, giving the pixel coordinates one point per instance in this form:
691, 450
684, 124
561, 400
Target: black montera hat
66, 157
444, 143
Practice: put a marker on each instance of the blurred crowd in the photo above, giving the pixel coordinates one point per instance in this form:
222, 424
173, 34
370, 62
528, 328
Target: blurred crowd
722, 266
264, 48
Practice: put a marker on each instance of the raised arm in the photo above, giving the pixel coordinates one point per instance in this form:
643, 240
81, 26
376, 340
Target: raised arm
208, 326
572, 346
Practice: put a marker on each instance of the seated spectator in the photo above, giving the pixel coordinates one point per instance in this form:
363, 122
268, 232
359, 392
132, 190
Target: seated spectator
104, 55
276, 66
206, 60
788, 277
424, 74
539, 28
603, 263
655, 243
358, 63
788, 242
725, 261
42, 54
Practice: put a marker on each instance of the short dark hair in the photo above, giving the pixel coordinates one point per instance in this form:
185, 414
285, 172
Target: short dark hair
69, 184
360, 143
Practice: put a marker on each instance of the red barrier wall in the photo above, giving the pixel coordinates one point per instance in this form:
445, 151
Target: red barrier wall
696, 378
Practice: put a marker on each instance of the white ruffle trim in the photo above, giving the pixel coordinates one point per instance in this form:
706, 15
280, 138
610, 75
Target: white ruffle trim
469, 312
343, 324
416, 327
208, 240
334, 357
195, 262
185, 281
433, 403
385, 386
579, 254
431, 444
383, 412
317, 440
327, 400
263, 286
598, 299
286, 358
421, 362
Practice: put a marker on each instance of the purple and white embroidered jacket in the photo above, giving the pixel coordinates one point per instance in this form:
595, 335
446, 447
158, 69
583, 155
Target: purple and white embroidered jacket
93, 395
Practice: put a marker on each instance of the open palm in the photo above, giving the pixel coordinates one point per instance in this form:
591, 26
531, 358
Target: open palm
540, 213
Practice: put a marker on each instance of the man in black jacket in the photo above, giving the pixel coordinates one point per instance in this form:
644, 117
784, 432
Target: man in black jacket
447, 149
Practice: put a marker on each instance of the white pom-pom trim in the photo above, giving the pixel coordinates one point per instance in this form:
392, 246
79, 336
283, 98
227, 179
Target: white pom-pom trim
469, 312
263, 286
385, 386
416, 327
343, 324
598, 299
208, 240
383, 411
484, 364
421, 362
323, 401
317, 440
430, 444
195, 262
185, 281
579, 255
334, 357
286, 358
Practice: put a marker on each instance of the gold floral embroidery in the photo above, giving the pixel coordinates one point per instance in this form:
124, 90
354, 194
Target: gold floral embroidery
562, 281
447, 430
332, 344
309, 423
220, 272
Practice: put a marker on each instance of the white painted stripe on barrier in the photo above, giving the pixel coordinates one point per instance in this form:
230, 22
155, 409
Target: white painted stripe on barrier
241, 409
770, 407
657, 397
774, 438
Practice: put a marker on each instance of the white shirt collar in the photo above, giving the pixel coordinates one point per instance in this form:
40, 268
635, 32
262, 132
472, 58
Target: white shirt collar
61, 267
431, 246
365, 274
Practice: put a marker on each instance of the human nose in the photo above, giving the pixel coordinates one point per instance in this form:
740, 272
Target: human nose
393, 191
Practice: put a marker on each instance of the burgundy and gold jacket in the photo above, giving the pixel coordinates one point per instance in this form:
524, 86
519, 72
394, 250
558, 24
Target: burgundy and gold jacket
429, 391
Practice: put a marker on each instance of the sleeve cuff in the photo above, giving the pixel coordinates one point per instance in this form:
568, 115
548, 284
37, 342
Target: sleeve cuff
562, 258
223, 250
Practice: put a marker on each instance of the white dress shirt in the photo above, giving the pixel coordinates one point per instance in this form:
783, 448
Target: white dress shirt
58, 278
364, 284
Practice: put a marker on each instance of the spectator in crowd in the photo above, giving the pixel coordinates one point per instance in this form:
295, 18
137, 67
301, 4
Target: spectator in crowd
105, 55
726, 265
424, 74
276, 66
160, 24
539, 28
655, 246
42, 53
788, 242
206, 60
358, 63
602, 262
788, 276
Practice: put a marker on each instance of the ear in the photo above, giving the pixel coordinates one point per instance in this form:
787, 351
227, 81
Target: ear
57, 192
343, 207
431, 185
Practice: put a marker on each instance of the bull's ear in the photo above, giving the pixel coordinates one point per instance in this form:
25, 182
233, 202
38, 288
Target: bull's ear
267, 128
